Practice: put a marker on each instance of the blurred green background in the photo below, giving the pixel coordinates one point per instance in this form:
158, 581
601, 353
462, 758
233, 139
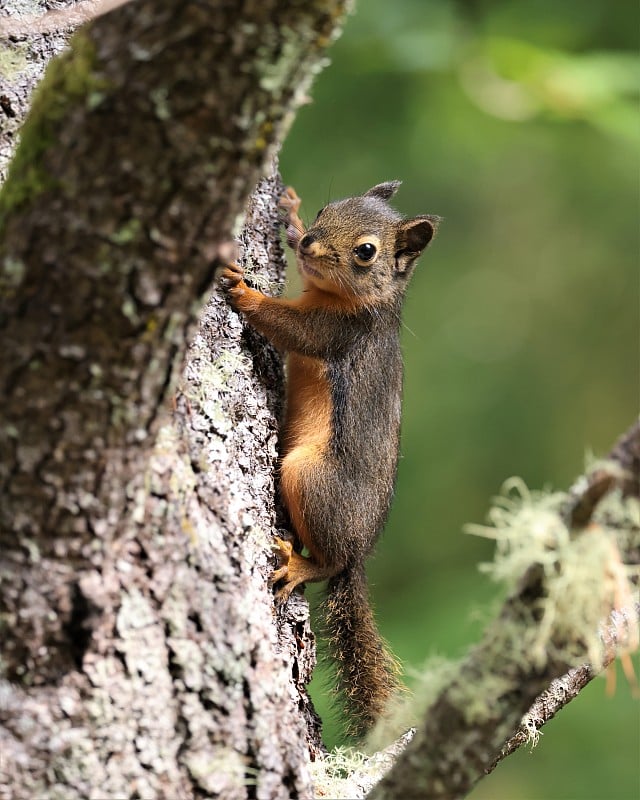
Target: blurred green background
518, 123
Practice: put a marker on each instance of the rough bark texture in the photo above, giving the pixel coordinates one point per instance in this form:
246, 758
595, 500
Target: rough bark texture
23, 58
142, 655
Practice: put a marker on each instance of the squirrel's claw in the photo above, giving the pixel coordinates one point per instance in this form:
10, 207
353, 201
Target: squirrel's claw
290, 204
289, 201
231, 276
283, 594
231, 280
283, 550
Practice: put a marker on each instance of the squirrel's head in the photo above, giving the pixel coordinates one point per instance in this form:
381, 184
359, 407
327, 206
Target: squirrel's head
362, 247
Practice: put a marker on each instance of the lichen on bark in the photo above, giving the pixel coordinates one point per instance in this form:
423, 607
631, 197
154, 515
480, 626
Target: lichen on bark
69, 82
142, 654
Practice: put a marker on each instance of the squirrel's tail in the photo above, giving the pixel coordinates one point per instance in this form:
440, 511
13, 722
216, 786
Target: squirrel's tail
367, 671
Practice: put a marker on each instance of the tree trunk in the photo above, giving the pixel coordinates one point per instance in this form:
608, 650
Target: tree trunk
23, 58
142, 655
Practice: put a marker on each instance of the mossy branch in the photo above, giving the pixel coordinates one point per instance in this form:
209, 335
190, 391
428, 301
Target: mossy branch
572, 560
566, 688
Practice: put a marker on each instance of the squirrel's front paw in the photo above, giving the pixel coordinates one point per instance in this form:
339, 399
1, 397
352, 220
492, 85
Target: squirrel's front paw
231, 280
290, 204
242, 297
289, 201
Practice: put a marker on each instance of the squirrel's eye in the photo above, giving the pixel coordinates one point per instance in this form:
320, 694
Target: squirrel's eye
365, 251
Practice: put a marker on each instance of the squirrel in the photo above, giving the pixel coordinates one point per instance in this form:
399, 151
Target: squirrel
343, 405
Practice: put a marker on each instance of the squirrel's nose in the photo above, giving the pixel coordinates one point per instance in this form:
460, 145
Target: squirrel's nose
309, 245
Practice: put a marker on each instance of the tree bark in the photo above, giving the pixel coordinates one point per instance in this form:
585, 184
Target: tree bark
142, 655
23, 58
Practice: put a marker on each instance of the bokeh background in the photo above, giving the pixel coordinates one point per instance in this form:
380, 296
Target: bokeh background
517, 121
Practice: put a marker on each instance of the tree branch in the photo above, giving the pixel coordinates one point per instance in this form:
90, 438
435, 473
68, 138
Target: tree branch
58, 19
566, 688
623, 470
531, 644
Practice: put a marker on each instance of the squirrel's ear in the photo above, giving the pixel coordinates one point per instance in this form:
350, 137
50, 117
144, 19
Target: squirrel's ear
383, 190
412, 237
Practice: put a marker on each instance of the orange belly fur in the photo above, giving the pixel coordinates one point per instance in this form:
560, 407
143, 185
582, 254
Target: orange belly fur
306, 438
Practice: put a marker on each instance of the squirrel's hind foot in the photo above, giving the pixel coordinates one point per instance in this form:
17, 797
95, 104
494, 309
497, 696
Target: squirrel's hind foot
283, 550
295, 569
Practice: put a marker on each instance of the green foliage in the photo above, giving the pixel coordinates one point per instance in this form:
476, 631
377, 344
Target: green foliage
517, 122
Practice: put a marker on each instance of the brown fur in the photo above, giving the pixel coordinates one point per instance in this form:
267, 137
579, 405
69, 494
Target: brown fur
340, 443
306, 438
